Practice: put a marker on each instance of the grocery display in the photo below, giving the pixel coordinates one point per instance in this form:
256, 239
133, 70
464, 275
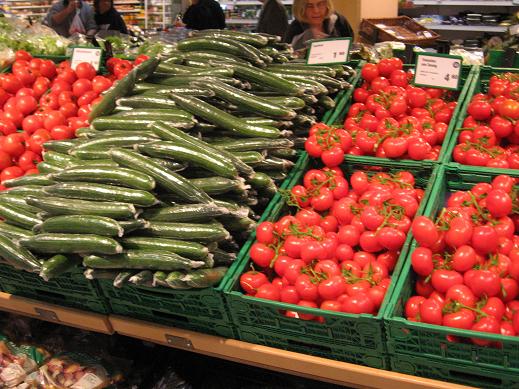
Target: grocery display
243, 14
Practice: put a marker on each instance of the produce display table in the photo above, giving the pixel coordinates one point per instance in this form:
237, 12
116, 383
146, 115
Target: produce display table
311, 367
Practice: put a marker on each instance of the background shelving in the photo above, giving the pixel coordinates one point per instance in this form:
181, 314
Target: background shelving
243, 14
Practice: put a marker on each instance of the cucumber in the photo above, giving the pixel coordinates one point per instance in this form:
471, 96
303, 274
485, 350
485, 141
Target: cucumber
80, 224
214, 71
250, 157
18, 216
168, 180
170, 165
311, 86
145, 69
293, 102
14, 232
251, 39
236, 225
133, 225
7, 199
233, 208
159, 279
121, 88
100, 274
262, 182
185, 213
170, 114
173, 69
64, 206
134, 124
224, 120
120, 133
17, 256
328, 82
220, 185
203, 233
184, 81
174, 281
85, 132
191, 250
90, 155
107, 175
31, 179
61, 146
181, 90
262, 121
267, 79
46, 168
26, 190
248, 102
326, 102
274, 163
142, 278
221, 45
143, 101
223, 258
251, 144
142, 260
302, 69
210, 55
57, 265
101, 192
189, 154
71, 244
283, 153
205, 278
58, 159
122, 278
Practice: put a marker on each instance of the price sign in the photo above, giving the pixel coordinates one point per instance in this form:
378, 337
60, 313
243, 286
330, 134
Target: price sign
329, 51
438, 71
83, 54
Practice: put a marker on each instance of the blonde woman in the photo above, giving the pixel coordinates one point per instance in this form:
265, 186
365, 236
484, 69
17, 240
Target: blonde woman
315, 19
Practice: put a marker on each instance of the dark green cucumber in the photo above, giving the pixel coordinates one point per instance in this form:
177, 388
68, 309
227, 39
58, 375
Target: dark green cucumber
156, 90
26, 190
14, 232
107, 175
122, 278
171, 165
61, 146
235, 225
310, 86
168, 180
59, 159
251, 39
80, 224
101, 192
159, 279
30, 179
262, 182
326, 102
214, 71
142, 278
17, 256
185, 213
18, 216
203, 233
287, 153
71, 244
223, 119
142, 101
183, 81
191, 250
189, 154
173, 68
145, 69
248, 102
262, 121
58, 265
89, 155
302, 69
100, 274
64, 206
17, 201
142, 260
233, 208
274, 163
250, 157
174, 281
121, 133
133, 123
133, 225
210, 55
46, 168
205, 278
286, 101
267, 79
252, 144
121, 88
328, 82
170, 114
220, 185
223, 258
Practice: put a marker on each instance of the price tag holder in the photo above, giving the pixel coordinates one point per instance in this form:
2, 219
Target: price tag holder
329, 51
438, 71
91, 55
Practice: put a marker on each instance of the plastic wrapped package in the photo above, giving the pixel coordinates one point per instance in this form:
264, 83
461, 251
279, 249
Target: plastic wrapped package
69, 370
6, 57
17, 362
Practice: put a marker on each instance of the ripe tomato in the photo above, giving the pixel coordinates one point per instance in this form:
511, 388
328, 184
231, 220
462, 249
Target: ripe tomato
11, 172
81, 86
26, 104
37, 139
424, 231
85, 70
6, 159
48, 69
480, 110
53, 119
509, 109
252, 280
28, 160
61, 132
100, 84
13, 145
369, 72
10, 83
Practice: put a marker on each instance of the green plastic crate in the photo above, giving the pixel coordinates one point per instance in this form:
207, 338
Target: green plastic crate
347, 337
479, 84
429, 341
464, 374
467, 74
496, 57
70, 289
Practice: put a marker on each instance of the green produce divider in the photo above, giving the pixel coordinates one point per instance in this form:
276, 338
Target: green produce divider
479, 84
70, 289
407, 340
496, 58
339, 115
351, 338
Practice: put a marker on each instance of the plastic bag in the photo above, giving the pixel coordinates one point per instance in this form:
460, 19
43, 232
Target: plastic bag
7, 57
69, 370
77, 25
16, 362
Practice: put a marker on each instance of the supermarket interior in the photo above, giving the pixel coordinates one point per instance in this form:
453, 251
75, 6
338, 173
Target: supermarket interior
249, 194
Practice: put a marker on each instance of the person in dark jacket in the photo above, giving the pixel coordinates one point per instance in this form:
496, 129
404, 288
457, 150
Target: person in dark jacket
107, 17
204, 15
273, 18
315, 19
67, 17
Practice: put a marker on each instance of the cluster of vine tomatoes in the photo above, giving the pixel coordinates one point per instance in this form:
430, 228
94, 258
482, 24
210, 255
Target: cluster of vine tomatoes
41, 101
338, 249
490, 133
392, 119
467, 262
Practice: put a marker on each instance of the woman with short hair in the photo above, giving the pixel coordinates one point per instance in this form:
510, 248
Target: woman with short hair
107, 17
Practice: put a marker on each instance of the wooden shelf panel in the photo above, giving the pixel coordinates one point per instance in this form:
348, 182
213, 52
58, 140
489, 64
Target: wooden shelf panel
57, 314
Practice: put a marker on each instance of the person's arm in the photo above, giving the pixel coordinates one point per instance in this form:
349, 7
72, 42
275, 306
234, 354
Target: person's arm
57, 17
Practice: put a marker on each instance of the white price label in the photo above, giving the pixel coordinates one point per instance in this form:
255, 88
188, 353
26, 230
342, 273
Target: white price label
329, 51
438, 71
89, 55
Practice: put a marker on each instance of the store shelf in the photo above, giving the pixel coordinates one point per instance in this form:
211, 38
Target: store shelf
336, 372
448, 27
55, 313
470, 3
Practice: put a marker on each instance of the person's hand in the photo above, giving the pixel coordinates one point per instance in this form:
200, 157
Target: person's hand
318, 34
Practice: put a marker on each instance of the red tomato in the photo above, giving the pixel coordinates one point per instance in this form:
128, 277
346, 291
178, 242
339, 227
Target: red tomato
252, 280
61, 132
28, 160
11, 172
13, 145
85, 70
369, 71
53, 119
81, 86
48, 69
26, 104
100, 84
6, 159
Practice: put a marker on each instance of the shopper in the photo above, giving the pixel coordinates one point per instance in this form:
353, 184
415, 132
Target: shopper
204, 15
273, 18
107, 17
315, 19
68, 17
